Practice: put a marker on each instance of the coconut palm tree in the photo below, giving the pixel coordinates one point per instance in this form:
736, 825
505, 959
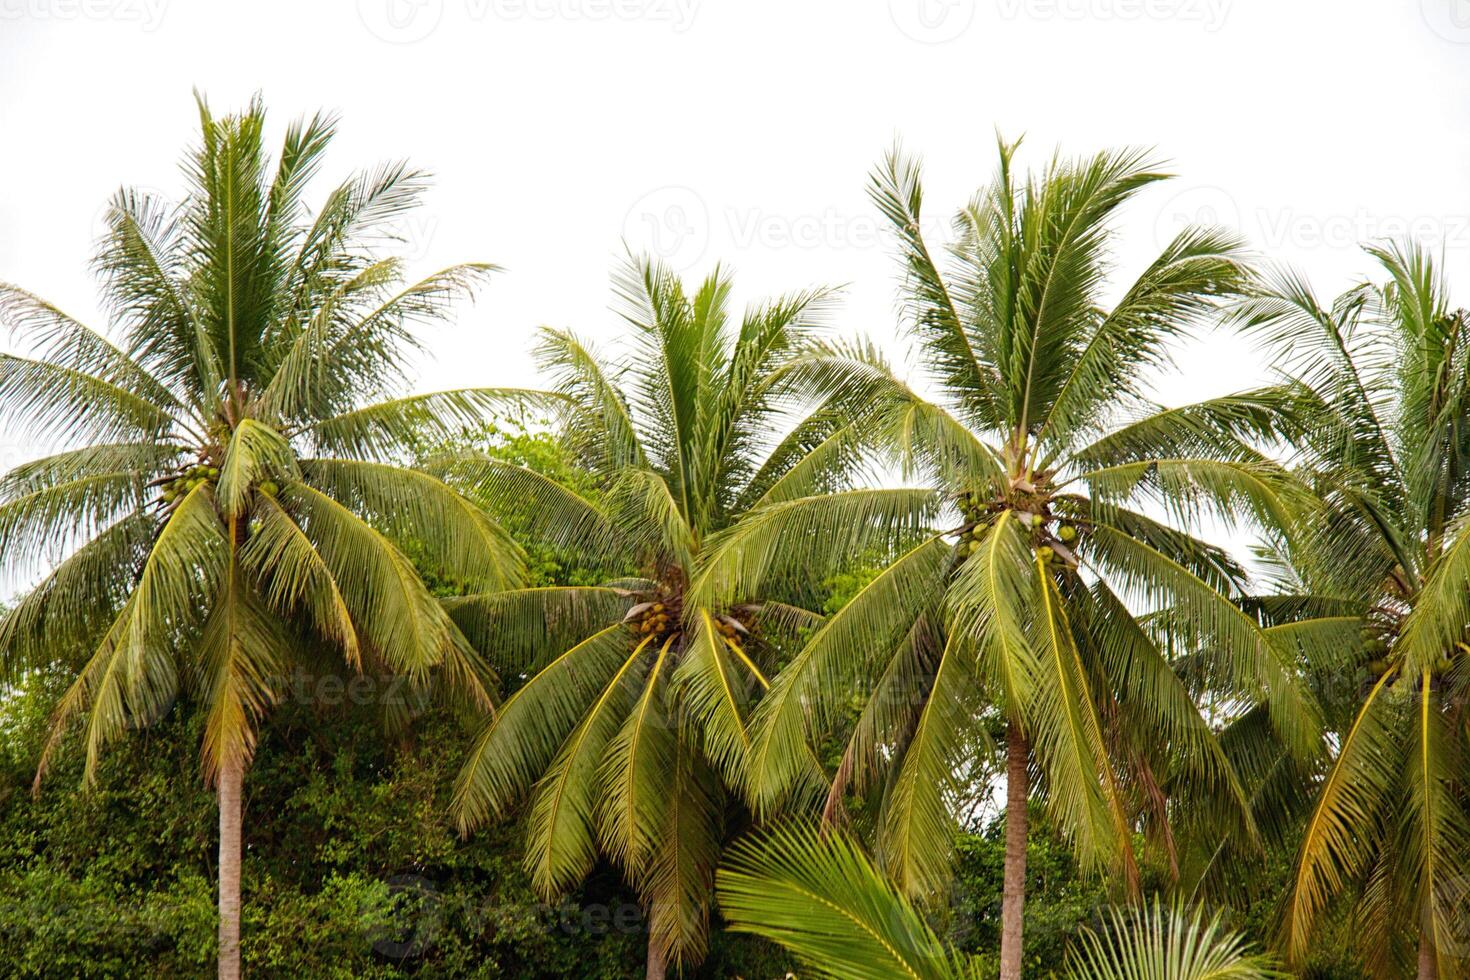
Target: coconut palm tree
1070, 500
823, 899
631, 727
1385, 373
222, 506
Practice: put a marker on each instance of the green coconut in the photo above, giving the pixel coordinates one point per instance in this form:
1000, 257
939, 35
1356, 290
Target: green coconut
1067, 533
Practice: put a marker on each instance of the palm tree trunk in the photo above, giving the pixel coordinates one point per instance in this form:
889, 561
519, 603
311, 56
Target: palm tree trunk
657, 962
231, 777
1428, 964
1014, 897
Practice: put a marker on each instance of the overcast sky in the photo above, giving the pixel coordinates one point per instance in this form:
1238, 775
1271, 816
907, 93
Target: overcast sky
743, 130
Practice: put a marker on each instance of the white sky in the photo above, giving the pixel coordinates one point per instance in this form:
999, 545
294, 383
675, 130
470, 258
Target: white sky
743, 130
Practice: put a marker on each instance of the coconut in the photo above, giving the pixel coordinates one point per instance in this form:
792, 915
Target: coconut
1045, 553
1067, 533
1037, 520
269, 488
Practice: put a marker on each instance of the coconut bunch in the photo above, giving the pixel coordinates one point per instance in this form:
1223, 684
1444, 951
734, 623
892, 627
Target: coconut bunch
1051, 538
652, 618
661, 618
176, 487
185, 480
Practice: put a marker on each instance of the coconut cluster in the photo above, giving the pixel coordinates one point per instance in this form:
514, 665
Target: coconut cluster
732, 630
1053, 541
194, 476
976, 511
1050, 539
652, 621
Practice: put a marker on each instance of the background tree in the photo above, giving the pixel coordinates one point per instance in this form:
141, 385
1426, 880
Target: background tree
222, 508
631, 727
1384, 373
1070, 499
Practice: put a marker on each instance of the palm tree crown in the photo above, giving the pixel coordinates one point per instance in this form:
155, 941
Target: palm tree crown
1048, 458
632, 723
1384, 385
224, 505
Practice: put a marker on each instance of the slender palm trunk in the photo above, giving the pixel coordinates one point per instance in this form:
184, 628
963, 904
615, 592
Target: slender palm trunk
1014, 897
657, 962
231, 777
1428, 965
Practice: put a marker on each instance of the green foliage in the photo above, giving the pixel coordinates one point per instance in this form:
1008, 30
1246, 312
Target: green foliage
351, 868
821, 897
1060, 898
513, 439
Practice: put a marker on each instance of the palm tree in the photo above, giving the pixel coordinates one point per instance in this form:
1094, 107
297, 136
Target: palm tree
1385, 378
223, 505
1070, 498
823, 899
631, 726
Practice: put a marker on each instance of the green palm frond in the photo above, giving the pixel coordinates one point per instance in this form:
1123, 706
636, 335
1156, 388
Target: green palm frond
396, 617
255, 452
514, 750
715, 690
561, 847
840, 656
678, 880
76, 601
825, 901
417, 507
522, 628
915, 842
546, 509
809, 536
1181, 286
296, 580
1346, 824
391, 429
1245, 658
1167, 944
